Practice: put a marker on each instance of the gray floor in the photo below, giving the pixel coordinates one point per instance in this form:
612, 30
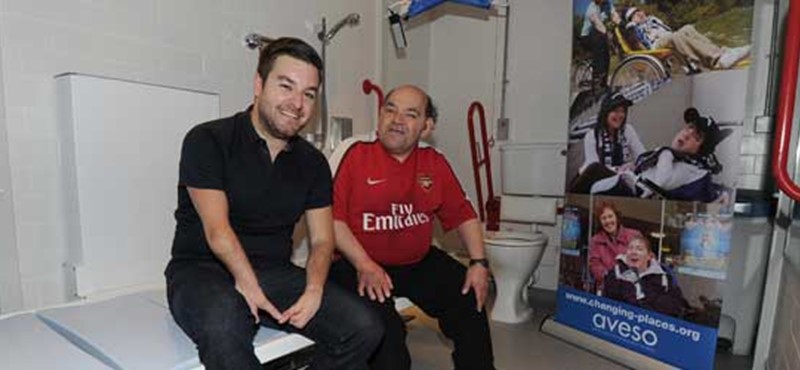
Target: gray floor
522, 346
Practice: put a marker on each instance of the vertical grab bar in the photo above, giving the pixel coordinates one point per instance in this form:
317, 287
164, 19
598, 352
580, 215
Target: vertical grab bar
476, 164
491, 216
786, 102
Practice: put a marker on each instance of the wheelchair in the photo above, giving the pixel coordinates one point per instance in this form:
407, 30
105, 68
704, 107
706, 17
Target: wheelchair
703, 190
634, 66
646, 65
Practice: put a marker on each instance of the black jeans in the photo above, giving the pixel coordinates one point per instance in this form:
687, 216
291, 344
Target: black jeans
593, 173
597, 44
434, 285
206, 305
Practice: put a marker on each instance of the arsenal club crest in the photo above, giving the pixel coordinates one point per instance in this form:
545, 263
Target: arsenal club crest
425, 181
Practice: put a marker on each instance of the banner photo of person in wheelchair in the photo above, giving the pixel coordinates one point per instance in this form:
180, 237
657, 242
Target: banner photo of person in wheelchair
656, 268
683, 170
669, 146
679, 142
624, 43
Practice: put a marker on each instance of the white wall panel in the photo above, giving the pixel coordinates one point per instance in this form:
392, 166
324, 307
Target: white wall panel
121, 144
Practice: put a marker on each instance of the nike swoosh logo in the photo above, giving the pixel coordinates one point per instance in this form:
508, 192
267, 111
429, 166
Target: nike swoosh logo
371, 182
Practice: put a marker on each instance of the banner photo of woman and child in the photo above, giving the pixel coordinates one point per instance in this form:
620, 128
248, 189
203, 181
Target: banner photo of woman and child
658, 90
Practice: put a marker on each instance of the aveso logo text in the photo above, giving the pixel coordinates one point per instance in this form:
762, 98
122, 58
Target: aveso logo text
625, 330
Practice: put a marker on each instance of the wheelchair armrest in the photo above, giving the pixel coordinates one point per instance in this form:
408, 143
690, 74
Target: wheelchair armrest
652, 187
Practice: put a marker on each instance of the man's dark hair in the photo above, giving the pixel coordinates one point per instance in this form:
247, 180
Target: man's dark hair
289, 46
430, 107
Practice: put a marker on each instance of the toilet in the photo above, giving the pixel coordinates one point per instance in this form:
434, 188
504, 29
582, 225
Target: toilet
528, 200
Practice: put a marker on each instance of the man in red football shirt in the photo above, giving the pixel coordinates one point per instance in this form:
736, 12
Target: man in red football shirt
386, 195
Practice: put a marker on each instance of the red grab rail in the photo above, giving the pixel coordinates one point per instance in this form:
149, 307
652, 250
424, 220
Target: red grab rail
368, 87
492, 204
786, 101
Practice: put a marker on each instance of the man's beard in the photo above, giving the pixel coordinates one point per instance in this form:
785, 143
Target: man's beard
272, 129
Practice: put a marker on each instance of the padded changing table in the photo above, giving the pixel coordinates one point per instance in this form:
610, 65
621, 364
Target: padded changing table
136, 331
27, 343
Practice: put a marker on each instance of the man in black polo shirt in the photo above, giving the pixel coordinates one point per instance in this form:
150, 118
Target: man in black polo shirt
244, 183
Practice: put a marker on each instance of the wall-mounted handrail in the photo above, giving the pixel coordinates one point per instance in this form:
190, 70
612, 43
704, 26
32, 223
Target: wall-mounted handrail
476, 162
786, 102
368, 87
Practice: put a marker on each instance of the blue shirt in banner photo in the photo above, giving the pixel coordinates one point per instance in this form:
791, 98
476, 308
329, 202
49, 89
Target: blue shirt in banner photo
676, 342
420, 6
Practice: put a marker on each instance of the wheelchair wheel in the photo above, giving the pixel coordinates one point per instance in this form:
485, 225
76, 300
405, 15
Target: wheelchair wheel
581, 78
638, 69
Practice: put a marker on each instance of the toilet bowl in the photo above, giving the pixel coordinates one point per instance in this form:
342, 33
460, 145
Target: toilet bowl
514, 257
528, 200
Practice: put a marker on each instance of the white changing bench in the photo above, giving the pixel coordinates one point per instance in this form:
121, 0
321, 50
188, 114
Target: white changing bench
133, 331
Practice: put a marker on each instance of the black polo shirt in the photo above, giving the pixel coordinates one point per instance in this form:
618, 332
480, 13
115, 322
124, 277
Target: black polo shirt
265, 198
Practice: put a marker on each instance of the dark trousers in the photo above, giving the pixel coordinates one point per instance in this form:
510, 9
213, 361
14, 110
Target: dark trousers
597, 44
206, 305
434, 285
582, 184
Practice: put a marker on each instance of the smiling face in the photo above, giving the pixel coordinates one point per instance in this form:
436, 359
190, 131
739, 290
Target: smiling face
285, 99
638, 255
639, 17
616, 117
688, 140
608, 220
403, 121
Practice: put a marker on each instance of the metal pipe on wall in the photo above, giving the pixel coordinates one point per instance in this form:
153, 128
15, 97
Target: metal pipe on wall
325, 36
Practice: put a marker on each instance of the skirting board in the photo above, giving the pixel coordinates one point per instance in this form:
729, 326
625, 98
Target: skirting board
601, 347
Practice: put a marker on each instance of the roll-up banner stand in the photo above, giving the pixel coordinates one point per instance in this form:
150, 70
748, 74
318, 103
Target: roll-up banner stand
657, 94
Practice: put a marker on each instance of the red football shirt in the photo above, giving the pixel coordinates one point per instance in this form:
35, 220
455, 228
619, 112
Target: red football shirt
390, 205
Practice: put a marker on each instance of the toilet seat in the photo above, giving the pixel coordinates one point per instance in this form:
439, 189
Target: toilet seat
514, 239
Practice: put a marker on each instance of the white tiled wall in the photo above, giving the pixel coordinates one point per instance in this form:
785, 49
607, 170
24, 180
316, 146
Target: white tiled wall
785, 351
10, 293
456, 81
754, 169
754, 172
194, 44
